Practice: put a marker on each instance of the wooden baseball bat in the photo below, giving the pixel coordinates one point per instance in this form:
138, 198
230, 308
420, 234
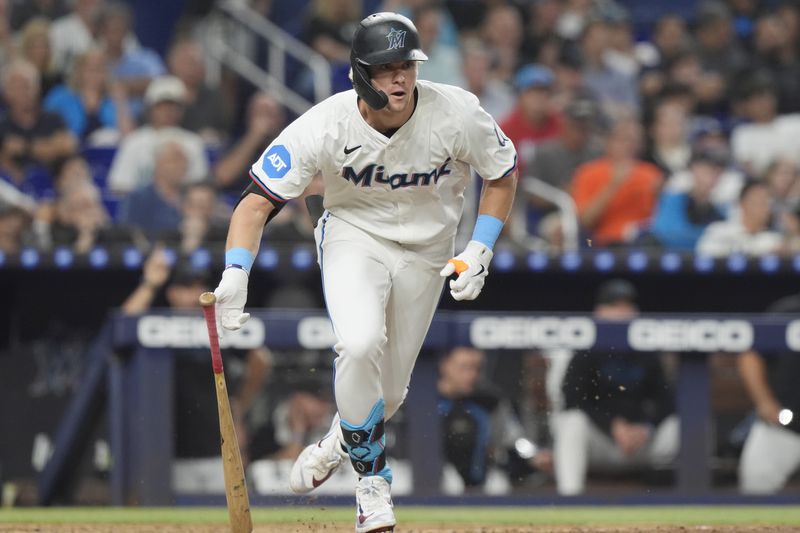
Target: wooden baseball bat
235, 484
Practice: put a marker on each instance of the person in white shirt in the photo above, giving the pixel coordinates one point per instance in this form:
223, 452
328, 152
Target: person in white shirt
396, 155
72, 35
135, 158
748, 231
768, 136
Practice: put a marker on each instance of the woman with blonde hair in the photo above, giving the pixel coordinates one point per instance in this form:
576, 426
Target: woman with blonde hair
91, 101
34, 46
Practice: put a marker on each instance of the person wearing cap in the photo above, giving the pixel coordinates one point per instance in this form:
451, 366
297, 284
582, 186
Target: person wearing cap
533, 120
681, 217
618, 407
557, 160
134, 162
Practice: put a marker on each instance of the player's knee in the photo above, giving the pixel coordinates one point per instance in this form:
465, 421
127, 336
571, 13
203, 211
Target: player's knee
393, 402
363, 347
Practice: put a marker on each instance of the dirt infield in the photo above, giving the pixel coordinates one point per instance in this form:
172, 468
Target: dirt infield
319, 527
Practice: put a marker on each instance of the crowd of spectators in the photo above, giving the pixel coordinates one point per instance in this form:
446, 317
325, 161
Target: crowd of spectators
680, 134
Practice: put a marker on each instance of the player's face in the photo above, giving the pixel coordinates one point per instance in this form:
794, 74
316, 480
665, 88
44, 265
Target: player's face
397, 80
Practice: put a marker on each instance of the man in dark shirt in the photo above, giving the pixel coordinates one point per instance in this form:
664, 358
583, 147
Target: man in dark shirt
30, 137
618, 406
772, 450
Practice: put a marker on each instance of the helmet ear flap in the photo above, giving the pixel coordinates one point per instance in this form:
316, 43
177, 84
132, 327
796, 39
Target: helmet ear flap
374, 98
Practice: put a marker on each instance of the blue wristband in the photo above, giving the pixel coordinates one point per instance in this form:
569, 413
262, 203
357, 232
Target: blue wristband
239, 257
487, 230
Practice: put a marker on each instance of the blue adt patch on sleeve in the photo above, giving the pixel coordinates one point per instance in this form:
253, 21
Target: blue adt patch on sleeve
277, 162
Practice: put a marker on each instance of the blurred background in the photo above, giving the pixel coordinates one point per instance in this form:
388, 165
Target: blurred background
636, 338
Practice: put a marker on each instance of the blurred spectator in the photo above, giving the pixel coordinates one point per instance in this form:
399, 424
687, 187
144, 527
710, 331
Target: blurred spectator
68, 173
708, 135
771, 452
329, 31
448, 33
716, 43
24, 11
621, 53
616, 194
707, 88
748, 231
557, 160
34, 46
495, 96
155, 207
783, 178
81, 221
91, 103
482, 431
669, 148
614, 89
618, 407
201, 223
681, 217
73, 34
776, 52
13, 223
568, 71
533, 120
542, 18
767, 135
129, 62
30, 136
198, 465
204, 113
444, 61
670, 38
744, 14
502, 32
265, 119
135, 159
574, 18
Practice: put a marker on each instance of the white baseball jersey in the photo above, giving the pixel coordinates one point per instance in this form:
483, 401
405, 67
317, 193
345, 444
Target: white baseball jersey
408, 188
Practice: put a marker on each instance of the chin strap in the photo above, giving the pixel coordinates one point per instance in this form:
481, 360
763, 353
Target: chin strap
363, 86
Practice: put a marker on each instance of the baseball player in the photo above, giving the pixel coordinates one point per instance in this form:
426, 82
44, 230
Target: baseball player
395, 156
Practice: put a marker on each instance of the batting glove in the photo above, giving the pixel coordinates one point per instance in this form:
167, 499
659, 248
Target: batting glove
231, 297
472, 267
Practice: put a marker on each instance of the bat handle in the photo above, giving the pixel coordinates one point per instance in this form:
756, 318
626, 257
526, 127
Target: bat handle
207, 300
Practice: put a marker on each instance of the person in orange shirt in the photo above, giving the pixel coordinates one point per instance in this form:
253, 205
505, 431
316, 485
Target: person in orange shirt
617, 193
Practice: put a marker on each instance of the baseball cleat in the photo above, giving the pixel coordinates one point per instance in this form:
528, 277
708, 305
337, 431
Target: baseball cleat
374, 507
316, 463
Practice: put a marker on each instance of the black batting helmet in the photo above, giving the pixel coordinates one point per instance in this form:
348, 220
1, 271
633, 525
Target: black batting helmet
381, 38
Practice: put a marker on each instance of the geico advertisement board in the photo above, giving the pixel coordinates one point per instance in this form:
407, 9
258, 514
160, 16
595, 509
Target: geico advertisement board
191, 332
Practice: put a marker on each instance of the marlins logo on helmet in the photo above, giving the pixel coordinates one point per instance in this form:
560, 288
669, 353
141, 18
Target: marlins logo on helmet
396, 38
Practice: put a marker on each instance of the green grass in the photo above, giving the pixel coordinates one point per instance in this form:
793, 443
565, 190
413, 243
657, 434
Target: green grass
742, 515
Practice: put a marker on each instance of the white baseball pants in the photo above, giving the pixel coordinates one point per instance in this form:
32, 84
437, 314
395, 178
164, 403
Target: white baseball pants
771, 454
381, 297
579, 444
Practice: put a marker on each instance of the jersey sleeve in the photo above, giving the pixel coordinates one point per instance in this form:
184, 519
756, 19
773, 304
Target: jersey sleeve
286, 167
483, 144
